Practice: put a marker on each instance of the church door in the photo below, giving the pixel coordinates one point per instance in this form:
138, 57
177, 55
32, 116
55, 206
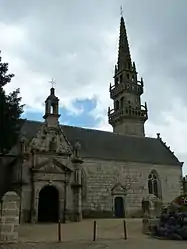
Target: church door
119, 207
48, 207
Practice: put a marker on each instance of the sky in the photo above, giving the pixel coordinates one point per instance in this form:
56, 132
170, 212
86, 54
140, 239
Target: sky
76, 43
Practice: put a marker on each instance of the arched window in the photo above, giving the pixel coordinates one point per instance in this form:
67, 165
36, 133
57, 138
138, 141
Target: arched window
153, 184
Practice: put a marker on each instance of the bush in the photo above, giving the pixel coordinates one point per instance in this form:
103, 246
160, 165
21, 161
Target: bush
173, 220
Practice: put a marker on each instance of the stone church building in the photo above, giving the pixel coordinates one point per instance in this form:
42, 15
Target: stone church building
69, 173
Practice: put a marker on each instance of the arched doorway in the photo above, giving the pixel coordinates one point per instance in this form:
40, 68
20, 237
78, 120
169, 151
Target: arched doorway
119, 207
48, 206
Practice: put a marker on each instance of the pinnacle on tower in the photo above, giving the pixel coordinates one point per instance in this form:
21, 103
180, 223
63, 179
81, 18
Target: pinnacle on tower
124, 57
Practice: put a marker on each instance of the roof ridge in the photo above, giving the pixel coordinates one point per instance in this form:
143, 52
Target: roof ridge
108, 145
92, 129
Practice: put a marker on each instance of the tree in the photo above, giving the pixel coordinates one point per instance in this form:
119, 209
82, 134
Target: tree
10, 111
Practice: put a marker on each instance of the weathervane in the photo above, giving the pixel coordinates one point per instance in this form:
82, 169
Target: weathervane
121, 10
52, 81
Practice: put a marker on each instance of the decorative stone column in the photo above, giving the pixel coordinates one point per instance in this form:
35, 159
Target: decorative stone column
77, 185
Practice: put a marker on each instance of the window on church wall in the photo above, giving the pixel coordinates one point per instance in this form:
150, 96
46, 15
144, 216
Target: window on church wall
128, 76
121, 78
150, 187
153, 184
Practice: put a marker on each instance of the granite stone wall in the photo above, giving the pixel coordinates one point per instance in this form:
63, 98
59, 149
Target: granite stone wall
9, 218
101, 177
98, 179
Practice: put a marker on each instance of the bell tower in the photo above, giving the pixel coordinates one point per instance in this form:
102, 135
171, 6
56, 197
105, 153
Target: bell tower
52, 109
128, 115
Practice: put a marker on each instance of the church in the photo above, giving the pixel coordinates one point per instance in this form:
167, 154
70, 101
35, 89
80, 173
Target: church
65, 173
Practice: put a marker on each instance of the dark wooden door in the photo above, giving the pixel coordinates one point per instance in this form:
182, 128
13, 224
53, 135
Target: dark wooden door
119, 207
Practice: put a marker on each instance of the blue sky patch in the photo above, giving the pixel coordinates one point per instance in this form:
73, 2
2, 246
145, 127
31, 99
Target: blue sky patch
84, 119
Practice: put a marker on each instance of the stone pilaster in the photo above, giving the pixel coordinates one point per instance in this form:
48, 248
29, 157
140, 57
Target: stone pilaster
77, 187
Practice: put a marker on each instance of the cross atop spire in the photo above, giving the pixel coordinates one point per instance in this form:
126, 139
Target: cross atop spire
121, 11
52, 82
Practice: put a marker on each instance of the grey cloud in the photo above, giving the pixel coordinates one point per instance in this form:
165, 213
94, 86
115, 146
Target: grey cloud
58, 30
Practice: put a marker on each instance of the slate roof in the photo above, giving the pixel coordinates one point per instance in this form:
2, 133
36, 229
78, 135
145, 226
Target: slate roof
111, 146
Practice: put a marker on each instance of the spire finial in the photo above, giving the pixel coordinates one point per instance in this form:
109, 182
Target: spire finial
121, 11
124, 57
52, 82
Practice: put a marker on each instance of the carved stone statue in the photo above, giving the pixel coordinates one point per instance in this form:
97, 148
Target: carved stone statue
76, 149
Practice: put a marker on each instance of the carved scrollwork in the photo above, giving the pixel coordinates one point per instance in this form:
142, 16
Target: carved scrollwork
50, 140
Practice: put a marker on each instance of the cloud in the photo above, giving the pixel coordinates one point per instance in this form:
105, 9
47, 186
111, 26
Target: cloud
76, 43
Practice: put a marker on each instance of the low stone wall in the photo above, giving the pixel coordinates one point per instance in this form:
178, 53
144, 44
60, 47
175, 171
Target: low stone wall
9, 220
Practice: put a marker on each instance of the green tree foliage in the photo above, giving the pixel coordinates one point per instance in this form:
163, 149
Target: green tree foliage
10, 111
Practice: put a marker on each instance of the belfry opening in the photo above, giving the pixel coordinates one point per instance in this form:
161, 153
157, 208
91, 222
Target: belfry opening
48, 206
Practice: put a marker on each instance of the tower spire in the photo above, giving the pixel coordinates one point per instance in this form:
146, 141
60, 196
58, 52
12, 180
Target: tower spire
124, 57
128, 114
